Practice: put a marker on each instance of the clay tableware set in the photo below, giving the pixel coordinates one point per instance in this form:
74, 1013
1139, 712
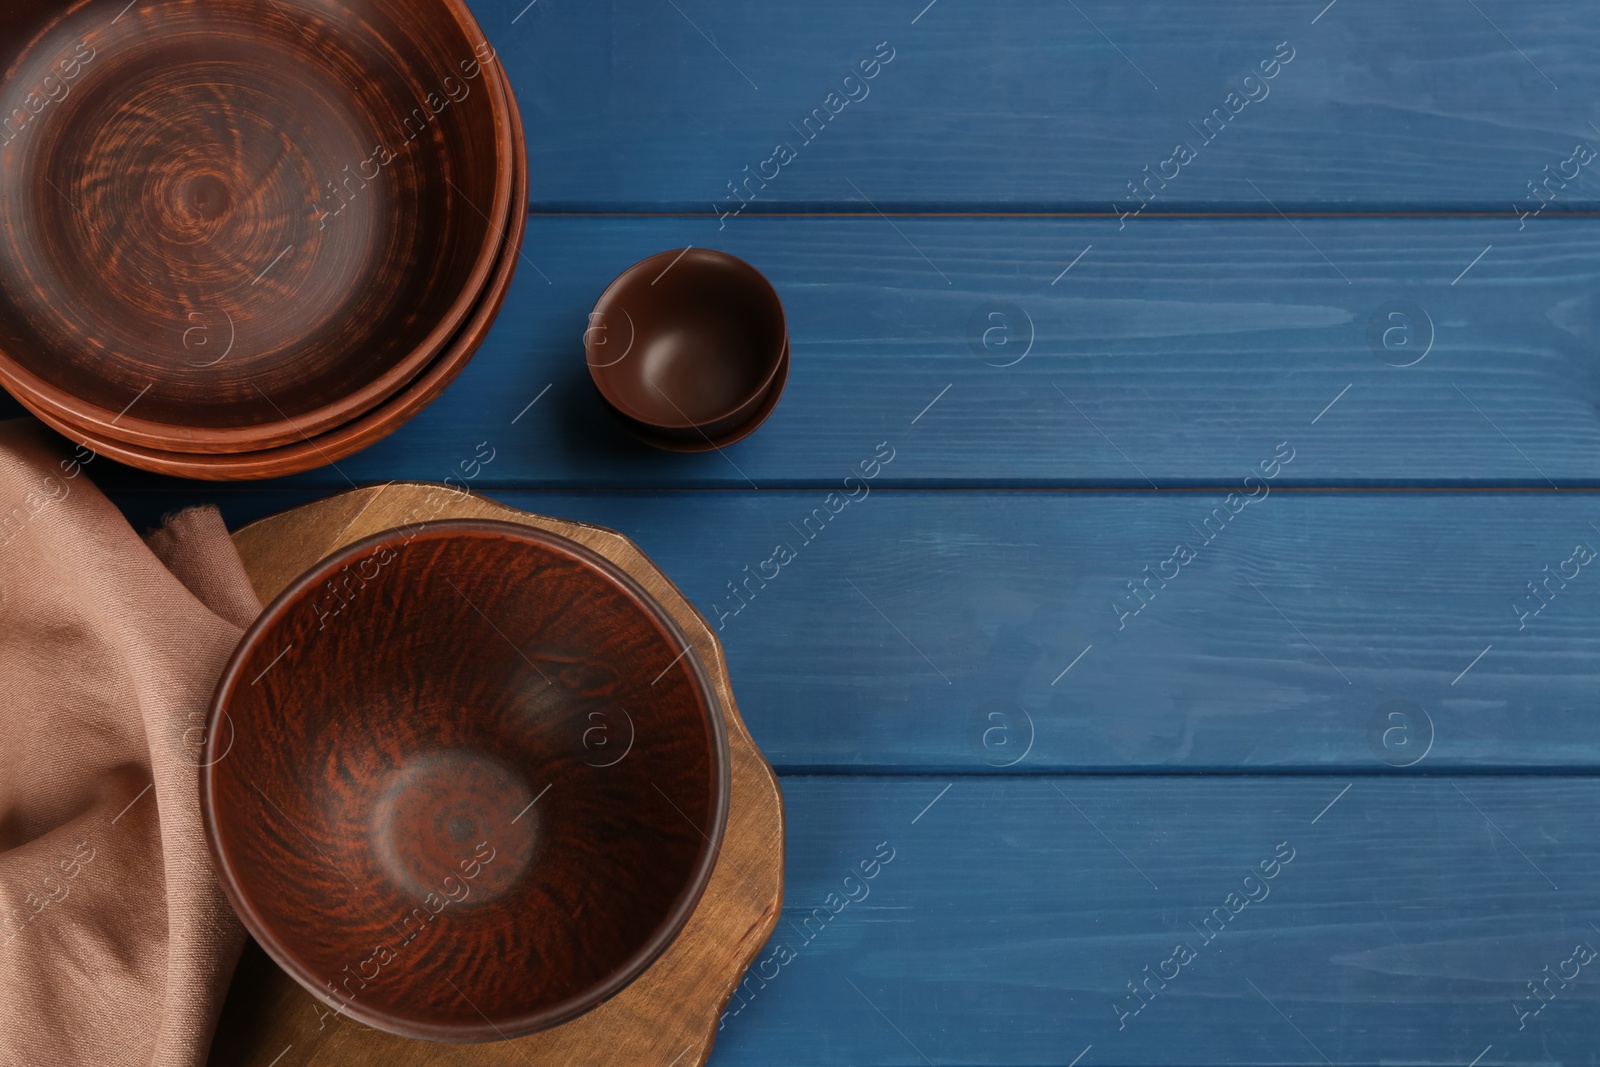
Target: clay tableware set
243, 240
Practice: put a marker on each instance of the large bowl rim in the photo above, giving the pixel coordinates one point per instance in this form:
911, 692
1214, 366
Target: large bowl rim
633, 966
180, 439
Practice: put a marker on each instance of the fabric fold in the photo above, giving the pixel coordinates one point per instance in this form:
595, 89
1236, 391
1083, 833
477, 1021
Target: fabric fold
116, 941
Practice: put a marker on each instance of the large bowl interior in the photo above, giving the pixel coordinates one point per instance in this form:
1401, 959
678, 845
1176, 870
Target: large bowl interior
686, 339
463, 781
230, 224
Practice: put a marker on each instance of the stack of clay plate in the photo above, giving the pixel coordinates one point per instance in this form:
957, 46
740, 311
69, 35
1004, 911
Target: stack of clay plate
244, 239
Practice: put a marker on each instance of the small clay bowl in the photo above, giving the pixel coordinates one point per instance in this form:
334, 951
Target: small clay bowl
464, 780
229, 226
370, 427
711, 444
688, 346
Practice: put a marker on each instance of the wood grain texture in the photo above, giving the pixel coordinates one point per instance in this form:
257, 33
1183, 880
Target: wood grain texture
1002, 591
672, 1009
1405, 929
1013, 916
210, 242
929, 631
1426, 105
1190, 348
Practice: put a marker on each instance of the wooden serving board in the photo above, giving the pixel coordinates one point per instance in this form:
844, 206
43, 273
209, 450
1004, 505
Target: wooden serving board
669, 1015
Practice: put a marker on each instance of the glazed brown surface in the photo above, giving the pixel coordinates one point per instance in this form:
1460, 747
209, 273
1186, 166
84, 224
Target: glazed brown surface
670, 1013
333, 445
696, 441
687, 345
234, 224
413, 817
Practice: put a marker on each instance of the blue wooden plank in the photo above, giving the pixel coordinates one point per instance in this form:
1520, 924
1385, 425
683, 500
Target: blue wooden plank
1177, 353
1006, 929
930, 631
1025, 105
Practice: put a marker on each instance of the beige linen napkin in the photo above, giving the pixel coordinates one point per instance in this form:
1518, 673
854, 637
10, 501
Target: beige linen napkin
116, 942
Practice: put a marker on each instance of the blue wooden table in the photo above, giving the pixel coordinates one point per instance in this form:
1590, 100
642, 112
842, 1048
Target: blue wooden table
1216, 650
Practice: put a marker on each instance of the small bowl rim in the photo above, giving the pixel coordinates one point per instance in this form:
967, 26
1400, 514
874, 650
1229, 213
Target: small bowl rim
661, 938
18, 378
627, 275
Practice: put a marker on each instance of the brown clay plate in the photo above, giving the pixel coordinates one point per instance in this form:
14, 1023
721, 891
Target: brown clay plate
330, 447
232, 224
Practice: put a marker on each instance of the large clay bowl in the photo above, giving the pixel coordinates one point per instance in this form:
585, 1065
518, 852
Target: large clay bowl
687, 345
374, 425
465, 780
233, 224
